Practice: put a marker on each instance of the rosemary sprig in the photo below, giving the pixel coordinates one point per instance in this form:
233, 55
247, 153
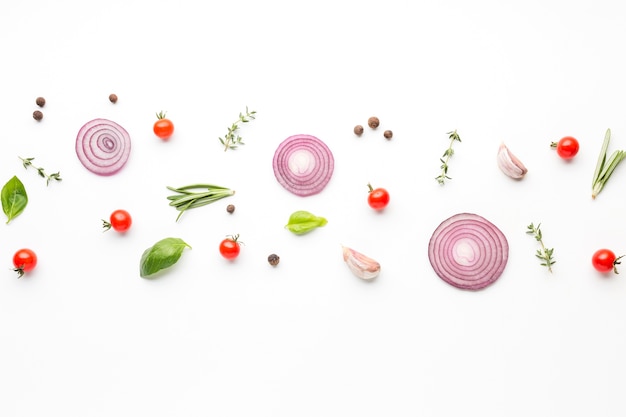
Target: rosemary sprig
196, 195
605, 168
453, 136
28, 162
232, 140
544, 253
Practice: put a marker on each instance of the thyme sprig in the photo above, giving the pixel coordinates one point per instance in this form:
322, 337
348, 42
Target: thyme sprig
605, 168
441, 179
196, 195
545, 254
28, 162
232, 140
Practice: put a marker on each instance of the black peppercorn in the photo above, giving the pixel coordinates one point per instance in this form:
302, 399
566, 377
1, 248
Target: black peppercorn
358, 130
40, 101
113, 98
37, 115
373, 122
230, 208
273, 259
388, 134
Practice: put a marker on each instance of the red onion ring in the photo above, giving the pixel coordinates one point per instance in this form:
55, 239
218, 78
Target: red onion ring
103, 146
303, 164
468, 252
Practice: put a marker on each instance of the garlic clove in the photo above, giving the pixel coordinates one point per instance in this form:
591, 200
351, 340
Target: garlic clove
362, 266
509, 164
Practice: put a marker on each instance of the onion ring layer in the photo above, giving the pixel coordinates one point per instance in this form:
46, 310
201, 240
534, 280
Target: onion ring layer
468, 252
303, 164
103, 146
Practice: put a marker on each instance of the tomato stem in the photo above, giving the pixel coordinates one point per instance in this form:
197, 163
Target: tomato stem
617, 262
20, 271
235, 238
106, 225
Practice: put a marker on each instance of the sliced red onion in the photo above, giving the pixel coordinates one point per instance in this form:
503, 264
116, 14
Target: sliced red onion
303, 164
468, 252
103, 146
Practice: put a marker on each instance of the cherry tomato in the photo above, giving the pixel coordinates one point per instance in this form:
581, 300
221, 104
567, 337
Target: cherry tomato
604, 260
377, 198
230, 247
120, 221
163, 128
24, 260
567, 147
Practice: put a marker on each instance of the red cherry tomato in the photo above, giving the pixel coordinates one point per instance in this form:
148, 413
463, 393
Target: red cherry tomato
163, 128
604, 260
230, 247
24, 260
567, 147
120, 221
377, 198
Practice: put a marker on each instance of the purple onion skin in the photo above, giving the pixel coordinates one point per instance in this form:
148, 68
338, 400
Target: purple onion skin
314, 175
468, 252
103, 146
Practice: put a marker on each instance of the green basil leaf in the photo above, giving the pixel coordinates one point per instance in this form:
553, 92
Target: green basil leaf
161, 255
301, 222
14, 198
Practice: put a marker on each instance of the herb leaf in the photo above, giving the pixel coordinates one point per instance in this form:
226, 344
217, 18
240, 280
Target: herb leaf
301, 222
605, 168
14, 198
233, 140
601, 157
161, 255
441, 179
196, 195
545, 254
29, 162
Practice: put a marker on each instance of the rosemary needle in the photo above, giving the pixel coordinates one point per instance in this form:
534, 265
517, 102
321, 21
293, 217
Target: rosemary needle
196, 195
604, 167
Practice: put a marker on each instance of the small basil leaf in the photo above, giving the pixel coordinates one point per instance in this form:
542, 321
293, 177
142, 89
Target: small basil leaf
301, 222
161, 255
14, 198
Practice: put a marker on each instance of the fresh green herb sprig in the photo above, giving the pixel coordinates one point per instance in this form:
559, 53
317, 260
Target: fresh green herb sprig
232, 140
28, 162
605, 167
545, 254
196, 195
441, 179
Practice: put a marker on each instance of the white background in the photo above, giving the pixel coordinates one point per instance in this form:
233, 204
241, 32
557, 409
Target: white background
84, 335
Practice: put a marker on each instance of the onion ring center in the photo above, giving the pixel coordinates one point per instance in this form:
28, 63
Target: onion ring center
465, 251
301, 162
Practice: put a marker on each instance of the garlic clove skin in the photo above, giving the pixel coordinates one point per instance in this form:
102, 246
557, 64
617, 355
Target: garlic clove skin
362, 266
509, 164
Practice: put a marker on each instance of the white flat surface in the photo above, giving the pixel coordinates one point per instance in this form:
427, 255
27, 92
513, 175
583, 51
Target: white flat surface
84, 335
